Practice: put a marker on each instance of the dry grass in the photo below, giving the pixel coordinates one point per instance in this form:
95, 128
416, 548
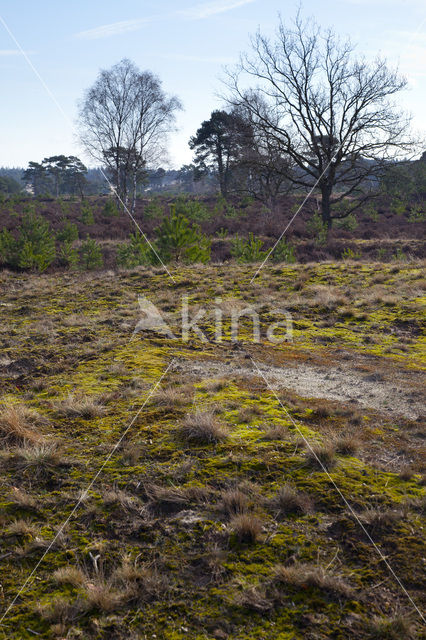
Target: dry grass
18, 425
61, 610
246, 528
23, 527
166, 499
255, 599
79, 406
347, 445
275, 432
234, 502
39, 461
303, 575
321, 455
202, 427
69, 575
382, 518
391, 628
22, 499
169, 398
288, 500
121, 499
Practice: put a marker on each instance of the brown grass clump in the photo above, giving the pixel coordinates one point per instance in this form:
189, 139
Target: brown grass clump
321, 455
254, 599
69, 575
379, 519
168, 398
303, 575
202, 427
141, 583
246, 528
166, 499
347, 445
39, 461
61, 610
288, 500
22, 499
275, 432
79, 406
102, 596
393, 628
121, 499
17, 425
234, 502
23, 527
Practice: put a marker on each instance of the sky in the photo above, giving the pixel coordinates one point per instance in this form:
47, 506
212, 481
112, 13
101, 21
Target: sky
51, 52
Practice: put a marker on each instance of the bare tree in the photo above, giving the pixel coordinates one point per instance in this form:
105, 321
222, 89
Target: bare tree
263, 166
331, 113
124, 121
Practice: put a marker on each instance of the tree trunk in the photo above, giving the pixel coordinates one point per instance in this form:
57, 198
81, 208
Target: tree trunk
326, 205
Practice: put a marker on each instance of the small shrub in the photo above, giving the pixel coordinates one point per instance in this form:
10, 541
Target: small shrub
68, 233
86, 214
180, 241
34, 247
317, 229
350, 254
153, 210
192, 209
283, 252
249, 250
202, 428
91, 254
68, 254
110, 209
349, 223
135, 252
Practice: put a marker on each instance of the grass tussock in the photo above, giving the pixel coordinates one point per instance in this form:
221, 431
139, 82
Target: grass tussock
246, 528
320, 456
399, 627
38, 461
79, 406
18, 425
234, 502
169, 398
202, 427
347, 445
288, 500
304, 575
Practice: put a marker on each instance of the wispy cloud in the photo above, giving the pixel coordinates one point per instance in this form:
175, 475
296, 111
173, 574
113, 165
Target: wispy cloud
201, 11
13, 52
113, 29
197, 12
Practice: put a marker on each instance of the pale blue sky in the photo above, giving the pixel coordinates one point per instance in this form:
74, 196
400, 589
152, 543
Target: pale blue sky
186, 43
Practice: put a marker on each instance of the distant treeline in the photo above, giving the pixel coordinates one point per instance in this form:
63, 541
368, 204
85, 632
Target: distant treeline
173, 181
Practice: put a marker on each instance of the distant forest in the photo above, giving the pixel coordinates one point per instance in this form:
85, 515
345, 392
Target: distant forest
160, 180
